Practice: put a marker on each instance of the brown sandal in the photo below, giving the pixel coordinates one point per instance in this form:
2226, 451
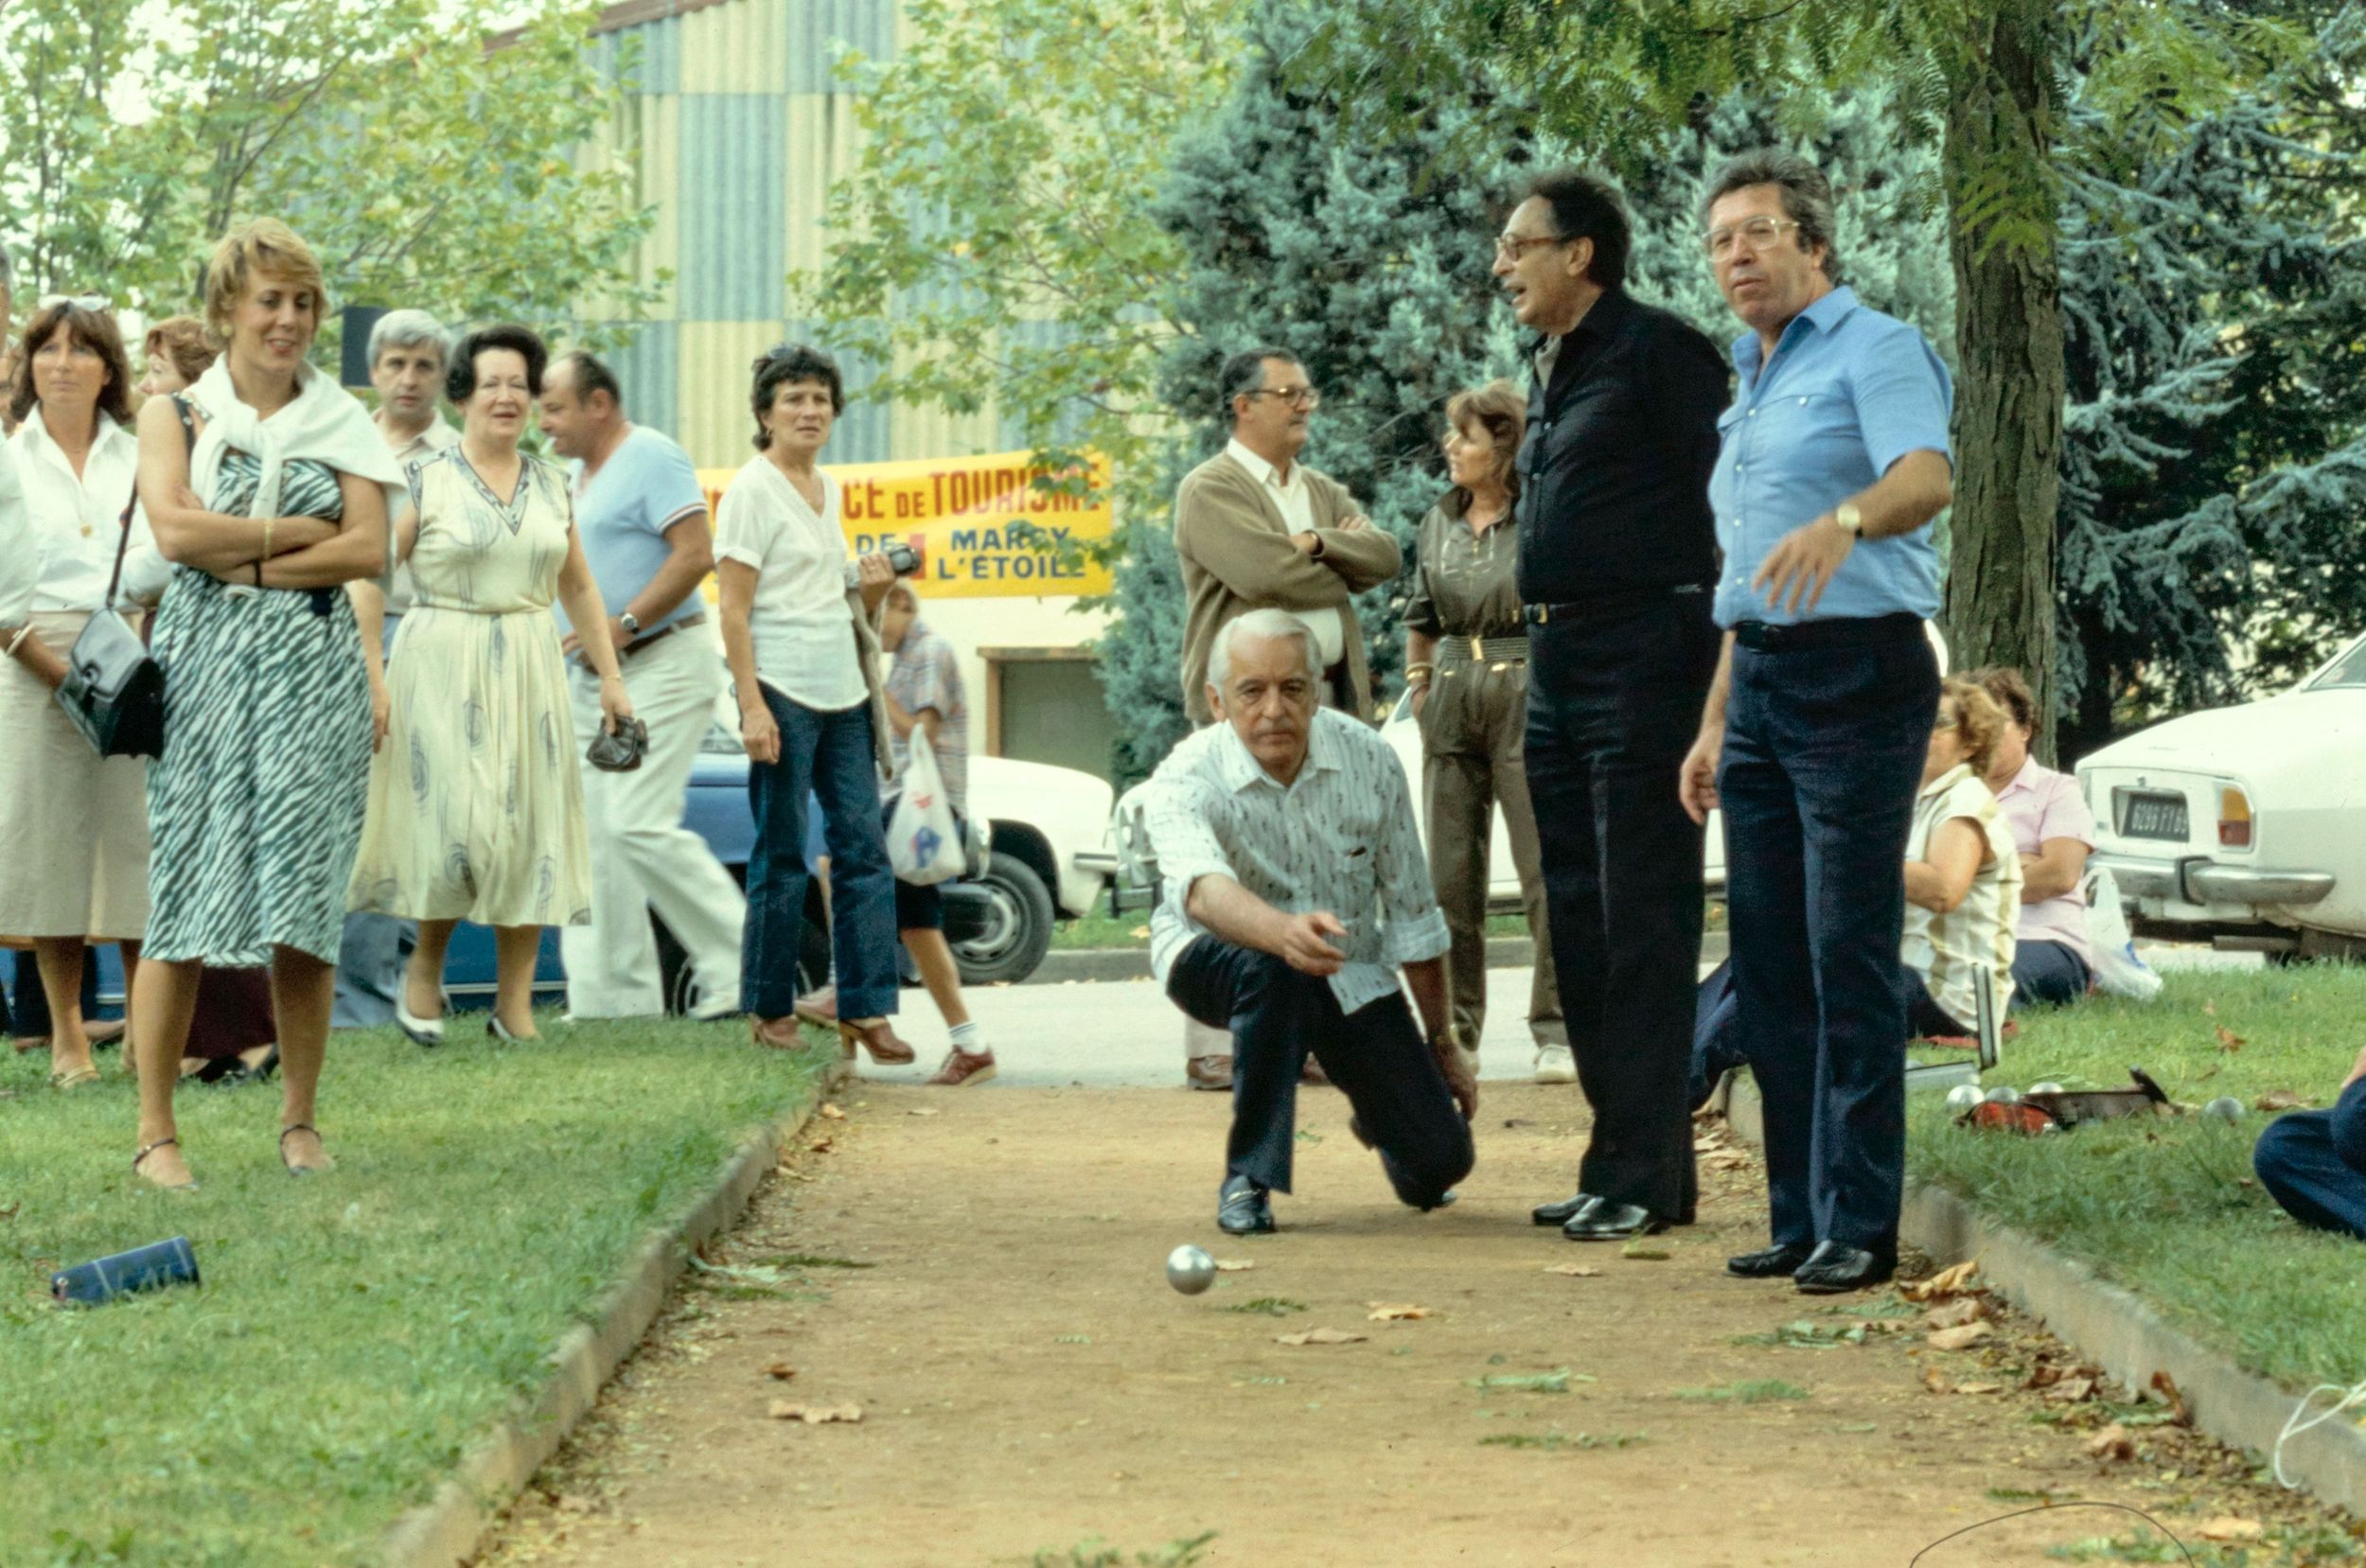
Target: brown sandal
303, 1170
878, 1037
189, 1185
775, 1034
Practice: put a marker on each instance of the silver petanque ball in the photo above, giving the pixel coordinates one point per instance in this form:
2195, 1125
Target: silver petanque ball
2049, 1087
2004, 1094
1190, 1270
2225, 1108
2049, 1127
1963, 1097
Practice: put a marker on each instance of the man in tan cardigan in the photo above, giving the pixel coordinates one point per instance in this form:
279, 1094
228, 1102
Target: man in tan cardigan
1256, 529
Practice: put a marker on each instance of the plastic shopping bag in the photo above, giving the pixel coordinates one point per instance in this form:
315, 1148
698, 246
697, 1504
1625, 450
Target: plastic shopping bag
2118, 971
924, 846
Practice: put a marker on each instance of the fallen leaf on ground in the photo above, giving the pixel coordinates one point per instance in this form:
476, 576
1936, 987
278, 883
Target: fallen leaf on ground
2171, 1395
1645, 1254
1947, 1283
2043, 1377
822, 1144
2072, 1390
1936, 1380
1395, 1311
1319, 1336
1581, 1271
1139, 933
1978, 1387
921, 1110
1956, 1313
2229, 1040
1705, 1146
780, 1370
1962, 1337
815, 1415
2112, 1442
2282, 1099
1726, 1159
2229, 1529
1234, 1265
832, 1112
572, 1502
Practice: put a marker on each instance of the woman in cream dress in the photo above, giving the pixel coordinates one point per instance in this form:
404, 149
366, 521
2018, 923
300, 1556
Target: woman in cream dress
476, 810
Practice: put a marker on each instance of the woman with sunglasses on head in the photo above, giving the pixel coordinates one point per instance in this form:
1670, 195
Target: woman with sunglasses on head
801, 635
268, 490
73, 825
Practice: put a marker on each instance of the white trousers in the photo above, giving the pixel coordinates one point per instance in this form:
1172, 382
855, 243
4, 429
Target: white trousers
643, 858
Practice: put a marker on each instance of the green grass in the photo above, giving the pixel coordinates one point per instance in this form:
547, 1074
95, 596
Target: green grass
355, 1332
2162, 1206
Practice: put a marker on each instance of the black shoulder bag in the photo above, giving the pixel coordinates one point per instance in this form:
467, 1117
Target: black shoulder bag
114, 691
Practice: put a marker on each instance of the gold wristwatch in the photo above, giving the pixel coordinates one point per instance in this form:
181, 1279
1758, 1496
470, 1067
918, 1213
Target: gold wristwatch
1850, 519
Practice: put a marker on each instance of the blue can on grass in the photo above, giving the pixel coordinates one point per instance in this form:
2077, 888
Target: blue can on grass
146, 1268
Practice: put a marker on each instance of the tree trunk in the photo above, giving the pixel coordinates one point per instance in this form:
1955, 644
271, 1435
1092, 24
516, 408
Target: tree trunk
2009, 387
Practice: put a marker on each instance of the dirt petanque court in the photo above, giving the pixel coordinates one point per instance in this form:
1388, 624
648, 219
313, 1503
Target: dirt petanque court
943, 1337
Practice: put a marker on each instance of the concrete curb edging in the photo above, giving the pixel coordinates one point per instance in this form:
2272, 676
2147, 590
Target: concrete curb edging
447, 1529
1081, 964
2119, 1331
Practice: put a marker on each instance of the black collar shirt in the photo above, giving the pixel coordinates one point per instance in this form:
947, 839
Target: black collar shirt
1615, 465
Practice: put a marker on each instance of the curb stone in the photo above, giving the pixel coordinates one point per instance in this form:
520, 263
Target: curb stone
447, 1529
1078, 964
2118, 1330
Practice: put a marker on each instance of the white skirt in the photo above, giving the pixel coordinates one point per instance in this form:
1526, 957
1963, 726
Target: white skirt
73, 825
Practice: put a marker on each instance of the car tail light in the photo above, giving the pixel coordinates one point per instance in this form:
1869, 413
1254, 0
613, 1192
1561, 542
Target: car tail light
2233, 818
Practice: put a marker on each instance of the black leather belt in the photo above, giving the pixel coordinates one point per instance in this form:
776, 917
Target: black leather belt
642, 644
1850, 631
1608, 608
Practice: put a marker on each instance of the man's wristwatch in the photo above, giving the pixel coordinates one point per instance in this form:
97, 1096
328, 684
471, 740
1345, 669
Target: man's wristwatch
631, 625
1850, 519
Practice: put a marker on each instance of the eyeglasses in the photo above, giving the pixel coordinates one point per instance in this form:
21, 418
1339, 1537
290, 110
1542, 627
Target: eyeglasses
1945, 721
1511, 247
1303, 397
1760, 231
96, 304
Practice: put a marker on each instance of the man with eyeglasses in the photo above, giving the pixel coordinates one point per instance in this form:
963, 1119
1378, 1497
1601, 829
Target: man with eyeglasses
1256, 529
1617, 559
1833, 459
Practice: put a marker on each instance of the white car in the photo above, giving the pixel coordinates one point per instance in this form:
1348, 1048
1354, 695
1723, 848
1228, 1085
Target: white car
2244, 826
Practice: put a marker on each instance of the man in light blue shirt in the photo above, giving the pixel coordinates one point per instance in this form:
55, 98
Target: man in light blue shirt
1831, 464
642, 516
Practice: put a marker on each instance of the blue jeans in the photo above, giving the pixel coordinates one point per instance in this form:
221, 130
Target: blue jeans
1823, 757
2314, 1164
831, 756
2048, 972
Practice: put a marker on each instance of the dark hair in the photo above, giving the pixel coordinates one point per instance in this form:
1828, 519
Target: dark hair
182, 340
786, 364
1245, 372
1503, 413
95, 330
1806, 195
460, 381
587, 374
1586, 206
2005, 683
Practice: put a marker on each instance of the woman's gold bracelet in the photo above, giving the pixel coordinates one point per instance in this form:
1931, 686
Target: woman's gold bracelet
1419, 672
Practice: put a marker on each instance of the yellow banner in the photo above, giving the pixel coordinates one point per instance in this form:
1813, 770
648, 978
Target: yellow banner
982, 528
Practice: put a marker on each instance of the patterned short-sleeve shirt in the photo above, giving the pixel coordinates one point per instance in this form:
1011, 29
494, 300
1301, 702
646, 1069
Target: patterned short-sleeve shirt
927, 674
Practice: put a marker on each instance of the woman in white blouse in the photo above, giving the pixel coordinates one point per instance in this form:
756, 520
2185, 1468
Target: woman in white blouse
72, 826
802, 643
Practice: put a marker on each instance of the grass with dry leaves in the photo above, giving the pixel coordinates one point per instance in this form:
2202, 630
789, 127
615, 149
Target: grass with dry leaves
2168, 1207
354, 1334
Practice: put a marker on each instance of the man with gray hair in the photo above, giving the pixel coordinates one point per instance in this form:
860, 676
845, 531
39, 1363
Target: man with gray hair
408, 354
1831, 464
1291, 889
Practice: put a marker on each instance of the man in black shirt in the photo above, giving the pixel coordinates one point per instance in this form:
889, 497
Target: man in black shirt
1618, 559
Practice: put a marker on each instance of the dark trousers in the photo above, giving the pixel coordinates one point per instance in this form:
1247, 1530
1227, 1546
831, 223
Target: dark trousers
2314, 1164
1376, 1057
1614, 706
829, 756
1823, 756
30, 1020
2048, 972
1718, 1045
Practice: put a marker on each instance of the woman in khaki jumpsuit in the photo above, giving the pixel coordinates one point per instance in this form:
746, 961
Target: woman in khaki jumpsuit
1466, 657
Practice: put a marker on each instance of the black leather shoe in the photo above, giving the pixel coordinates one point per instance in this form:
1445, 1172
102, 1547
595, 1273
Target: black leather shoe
1769, 1263
1613, 1222
1836, 1266
1564, 1211
1242, 1209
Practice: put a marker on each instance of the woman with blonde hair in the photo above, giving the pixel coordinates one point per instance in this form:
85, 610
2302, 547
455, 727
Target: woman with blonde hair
1466, 657
268, 490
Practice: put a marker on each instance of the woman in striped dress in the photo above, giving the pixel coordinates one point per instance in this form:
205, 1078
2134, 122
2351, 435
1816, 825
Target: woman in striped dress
268, 487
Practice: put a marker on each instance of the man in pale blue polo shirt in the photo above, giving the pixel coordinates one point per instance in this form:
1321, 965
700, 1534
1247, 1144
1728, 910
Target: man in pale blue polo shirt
1832, 461
642, 516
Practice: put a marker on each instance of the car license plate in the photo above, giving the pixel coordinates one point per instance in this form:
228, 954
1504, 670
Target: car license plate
2153, 817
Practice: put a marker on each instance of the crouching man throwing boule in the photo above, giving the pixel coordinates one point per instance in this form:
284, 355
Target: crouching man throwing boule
1292, 886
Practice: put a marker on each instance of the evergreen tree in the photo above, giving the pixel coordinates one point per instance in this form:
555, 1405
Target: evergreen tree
1365, 255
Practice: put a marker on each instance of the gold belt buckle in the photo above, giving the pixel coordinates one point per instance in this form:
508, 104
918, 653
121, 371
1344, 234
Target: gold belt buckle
1478, 651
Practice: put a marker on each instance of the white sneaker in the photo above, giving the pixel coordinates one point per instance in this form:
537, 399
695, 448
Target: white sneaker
707, 1010
1554, 1065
